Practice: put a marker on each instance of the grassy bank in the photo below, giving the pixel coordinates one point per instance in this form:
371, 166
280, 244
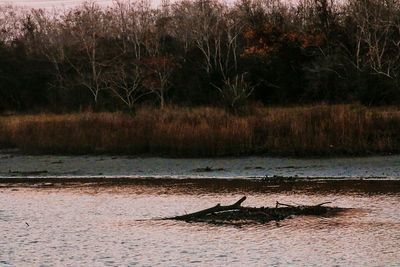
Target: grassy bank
297, 131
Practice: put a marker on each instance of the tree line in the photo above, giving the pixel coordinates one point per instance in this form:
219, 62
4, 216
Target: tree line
201, 52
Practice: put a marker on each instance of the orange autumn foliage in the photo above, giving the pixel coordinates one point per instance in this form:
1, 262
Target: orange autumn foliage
272, 39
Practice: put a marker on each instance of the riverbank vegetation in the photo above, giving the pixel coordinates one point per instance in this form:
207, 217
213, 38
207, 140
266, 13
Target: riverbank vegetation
199, 53
323, 130
202, 78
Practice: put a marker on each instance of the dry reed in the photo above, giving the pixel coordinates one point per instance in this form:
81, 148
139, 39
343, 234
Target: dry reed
297, 131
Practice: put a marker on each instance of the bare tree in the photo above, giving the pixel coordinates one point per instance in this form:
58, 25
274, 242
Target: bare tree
377, 36
139, 31
125, 82
159, 64
129, 25
51, 41
203, 28
235, 92
159, 72
180, 13
10, 23
85, 27
215, 31
229, 48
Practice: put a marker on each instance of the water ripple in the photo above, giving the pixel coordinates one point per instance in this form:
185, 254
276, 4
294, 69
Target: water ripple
71, 227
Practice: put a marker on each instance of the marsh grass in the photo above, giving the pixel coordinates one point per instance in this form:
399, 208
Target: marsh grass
205, 131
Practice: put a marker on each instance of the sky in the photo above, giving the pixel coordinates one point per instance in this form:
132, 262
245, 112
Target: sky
54, 3
61, 3
49, 3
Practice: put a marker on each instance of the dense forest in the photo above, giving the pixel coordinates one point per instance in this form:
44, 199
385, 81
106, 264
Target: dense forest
202, 52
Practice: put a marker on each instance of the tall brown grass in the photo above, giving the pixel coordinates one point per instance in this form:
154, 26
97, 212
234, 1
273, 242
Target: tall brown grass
300, 131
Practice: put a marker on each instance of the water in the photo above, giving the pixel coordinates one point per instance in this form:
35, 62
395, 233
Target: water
83, 218
116, 225
15, 165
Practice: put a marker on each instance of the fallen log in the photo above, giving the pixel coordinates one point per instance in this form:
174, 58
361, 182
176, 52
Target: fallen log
216, 208
235, 213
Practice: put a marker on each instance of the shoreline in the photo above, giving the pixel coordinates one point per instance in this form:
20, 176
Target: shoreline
17, 152
204, 185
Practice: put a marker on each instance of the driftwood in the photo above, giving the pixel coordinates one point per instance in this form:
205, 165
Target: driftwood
209, 169
236, 214
216, 208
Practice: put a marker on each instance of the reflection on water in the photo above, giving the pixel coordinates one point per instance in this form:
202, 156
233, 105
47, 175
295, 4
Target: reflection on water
115, 225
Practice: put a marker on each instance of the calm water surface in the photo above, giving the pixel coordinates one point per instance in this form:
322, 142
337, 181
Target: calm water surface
116, 225
104, 211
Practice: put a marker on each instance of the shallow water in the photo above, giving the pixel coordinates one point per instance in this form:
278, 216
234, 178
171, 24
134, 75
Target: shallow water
105, 210
16, 165
116, 225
